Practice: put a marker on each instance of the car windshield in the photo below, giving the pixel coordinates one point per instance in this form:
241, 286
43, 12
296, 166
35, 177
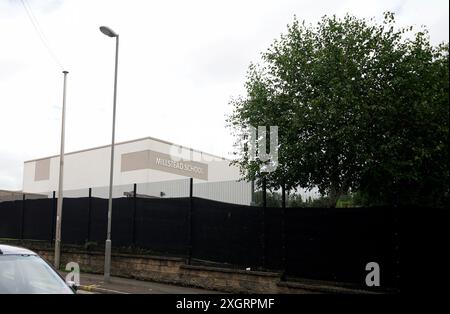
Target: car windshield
29, 274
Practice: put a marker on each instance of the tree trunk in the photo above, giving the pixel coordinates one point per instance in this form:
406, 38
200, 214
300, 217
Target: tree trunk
334, 195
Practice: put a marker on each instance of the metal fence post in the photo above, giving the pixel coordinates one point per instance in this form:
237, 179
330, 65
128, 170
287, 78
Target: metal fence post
252, 187
53, 216
396, 242
133, 222
89, 215
264, 192
22, 217
190, 235
263, 214
283, 233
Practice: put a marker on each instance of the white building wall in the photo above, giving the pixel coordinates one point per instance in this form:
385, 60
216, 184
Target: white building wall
90, 169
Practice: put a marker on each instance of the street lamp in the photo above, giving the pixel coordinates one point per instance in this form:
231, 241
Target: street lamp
60, 182
109, 32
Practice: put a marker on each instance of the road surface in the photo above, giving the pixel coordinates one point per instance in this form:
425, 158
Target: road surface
91, 283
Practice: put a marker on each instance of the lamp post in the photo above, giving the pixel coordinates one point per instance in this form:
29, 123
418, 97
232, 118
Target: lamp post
109, 32
60, 183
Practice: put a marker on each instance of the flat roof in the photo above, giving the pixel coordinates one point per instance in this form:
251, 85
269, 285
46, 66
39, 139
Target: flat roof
126, 142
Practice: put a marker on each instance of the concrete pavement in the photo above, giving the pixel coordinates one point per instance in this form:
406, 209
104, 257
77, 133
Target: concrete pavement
92, 283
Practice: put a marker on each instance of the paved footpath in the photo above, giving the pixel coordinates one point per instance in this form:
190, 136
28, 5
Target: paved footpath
91, 283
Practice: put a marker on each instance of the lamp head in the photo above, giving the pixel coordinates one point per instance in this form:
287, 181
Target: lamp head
107, 31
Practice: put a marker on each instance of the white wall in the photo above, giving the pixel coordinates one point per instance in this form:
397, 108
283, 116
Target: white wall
90, 168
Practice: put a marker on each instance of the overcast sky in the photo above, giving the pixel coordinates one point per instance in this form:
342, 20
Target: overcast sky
180, 62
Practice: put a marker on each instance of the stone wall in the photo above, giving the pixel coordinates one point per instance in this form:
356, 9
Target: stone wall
174, 271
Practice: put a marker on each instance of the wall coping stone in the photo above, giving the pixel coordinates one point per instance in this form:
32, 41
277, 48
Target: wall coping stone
230, 270
126, 255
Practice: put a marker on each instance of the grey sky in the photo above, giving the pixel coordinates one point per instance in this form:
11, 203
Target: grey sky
180, 63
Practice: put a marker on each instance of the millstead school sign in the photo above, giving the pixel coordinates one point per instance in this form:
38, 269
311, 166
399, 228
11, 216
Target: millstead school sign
149, 159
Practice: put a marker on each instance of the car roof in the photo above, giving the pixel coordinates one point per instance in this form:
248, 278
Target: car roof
14, 250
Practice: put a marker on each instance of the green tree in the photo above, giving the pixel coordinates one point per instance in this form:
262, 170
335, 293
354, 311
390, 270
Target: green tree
360, 106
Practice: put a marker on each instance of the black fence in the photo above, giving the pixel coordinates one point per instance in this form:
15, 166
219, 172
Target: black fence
313, 243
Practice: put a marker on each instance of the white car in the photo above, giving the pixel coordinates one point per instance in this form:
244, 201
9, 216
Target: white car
24, 272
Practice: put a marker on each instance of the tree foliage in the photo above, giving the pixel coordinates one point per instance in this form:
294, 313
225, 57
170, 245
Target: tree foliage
360, 105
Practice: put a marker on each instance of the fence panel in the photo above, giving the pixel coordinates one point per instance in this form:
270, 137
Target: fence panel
38, 219
164, 189
10, 219
75, 220
162, 225
227, 233
99, 220
336, 244
274, 238
122, 222
235, 192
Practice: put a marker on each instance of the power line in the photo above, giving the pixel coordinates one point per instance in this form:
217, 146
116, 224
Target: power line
39, 31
